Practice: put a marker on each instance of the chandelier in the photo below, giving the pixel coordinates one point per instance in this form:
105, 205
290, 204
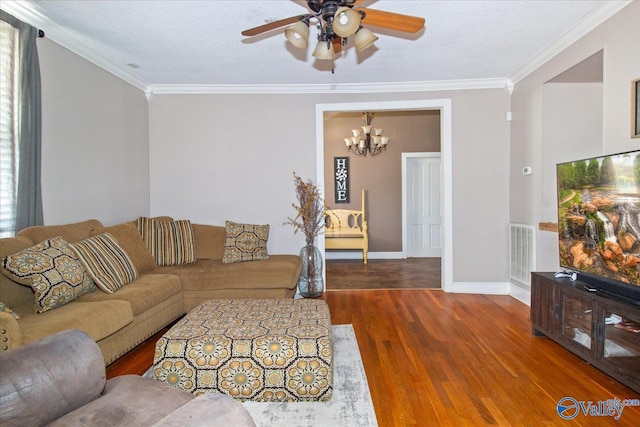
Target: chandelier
363, 143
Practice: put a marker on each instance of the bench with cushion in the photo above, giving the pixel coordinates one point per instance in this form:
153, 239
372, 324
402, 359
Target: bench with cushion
346, 229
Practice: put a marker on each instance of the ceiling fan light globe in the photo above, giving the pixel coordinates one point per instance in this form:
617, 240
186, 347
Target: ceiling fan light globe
324, 50
364, 39
298, 34
346, 21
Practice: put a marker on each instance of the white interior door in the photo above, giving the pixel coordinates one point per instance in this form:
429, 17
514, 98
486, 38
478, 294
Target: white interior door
424, 206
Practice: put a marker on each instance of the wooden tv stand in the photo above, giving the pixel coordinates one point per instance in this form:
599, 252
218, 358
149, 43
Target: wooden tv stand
600, 328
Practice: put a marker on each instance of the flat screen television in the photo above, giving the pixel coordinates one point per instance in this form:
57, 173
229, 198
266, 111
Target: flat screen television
599, 221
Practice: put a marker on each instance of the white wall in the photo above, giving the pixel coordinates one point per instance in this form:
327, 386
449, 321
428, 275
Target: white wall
111, 155
619, 37
572, 123
218, 157
94, 141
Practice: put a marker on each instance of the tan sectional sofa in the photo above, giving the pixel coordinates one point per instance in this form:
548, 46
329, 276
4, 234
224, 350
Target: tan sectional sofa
121, 320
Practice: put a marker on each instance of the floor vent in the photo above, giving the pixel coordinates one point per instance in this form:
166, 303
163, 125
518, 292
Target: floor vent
523, 252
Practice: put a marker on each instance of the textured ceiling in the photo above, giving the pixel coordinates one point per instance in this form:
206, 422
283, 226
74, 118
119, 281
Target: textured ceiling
199, 42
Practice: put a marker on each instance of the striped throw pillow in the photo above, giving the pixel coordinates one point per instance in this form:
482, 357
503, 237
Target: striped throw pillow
146, 227
106, 262
170, 242
174, 243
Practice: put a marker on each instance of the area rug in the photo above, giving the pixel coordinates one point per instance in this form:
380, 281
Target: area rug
350, 405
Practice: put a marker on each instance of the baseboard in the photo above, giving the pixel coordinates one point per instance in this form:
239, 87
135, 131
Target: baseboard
521, 292
493, 288
358, 255
488, 288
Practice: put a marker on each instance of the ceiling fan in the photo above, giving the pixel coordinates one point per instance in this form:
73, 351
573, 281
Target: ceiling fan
336, 21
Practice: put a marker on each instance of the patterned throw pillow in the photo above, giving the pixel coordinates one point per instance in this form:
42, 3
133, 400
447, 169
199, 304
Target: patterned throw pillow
170, 242
106, 262
5, 309
57, 277
245, 242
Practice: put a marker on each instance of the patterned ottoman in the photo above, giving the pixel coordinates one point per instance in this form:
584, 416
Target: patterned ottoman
251, 349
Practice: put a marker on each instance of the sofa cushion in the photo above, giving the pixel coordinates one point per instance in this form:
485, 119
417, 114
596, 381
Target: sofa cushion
53, 272
98, 319
144, 293
245, 242
106, 262
131, 242
128, 400
49, 378
171, 242
211, 410
279, 271
209, 240
69, 232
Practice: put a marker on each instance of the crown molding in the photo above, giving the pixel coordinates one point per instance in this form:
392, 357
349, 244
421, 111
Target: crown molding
597, 16
497, 83
69, 40
82, 47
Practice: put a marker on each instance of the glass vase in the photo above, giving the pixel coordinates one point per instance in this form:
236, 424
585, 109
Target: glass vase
311, 283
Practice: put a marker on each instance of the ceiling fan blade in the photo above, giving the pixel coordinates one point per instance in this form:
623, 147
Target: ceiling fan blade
392, 21
337, 45
272, 25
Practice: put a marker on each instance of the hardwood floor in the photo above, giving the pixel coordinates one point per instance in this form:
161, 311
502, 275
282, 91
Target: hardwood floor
409, 273
434, 358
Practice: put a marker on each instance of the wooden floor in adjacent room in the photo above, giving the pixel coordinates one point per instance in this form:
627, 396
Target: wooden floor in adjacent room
434, 358
411, 273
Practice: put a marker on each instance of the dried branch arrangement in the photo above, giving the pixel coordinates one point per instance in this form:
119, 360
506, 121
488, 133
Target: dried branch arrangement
310, 209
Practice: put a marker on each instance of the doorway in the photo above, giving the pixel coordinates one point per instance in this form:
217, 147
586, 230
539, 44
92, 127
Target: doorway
444, 106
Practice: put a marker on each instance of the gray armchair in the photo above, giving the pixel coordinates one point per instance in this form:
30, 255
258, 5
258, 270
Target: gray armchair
60, 381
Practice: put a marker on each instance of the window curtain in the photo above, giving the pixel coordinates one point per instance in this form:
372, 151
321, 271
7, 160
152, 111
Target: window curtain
28, 191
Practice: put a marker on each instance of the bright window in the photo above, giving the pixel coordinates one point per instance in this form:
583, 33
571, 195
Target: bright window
9, 104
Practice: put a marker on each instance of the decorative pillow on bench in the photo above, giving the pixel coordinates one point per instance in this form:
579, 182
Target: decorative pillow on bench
245, 242
53, 272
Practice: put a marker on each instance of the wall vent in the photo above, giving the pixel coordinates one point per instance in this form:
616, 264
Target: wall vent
522, 249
